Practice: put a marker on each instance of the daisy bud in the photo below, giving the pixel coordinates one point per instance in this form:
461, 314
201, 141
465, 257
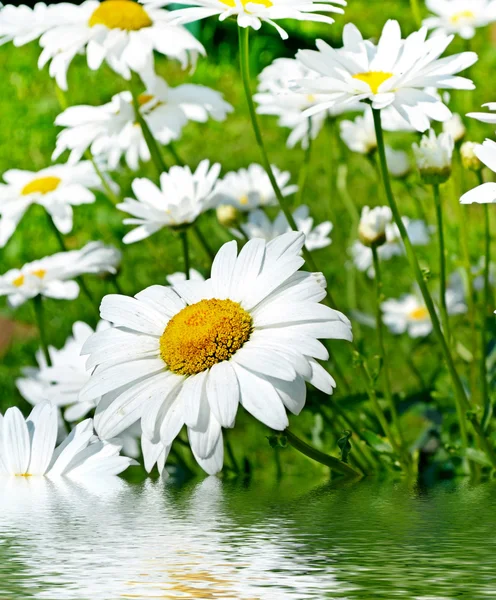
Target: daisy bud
227, 215
433, 156
470, 160
373, 223
455, 127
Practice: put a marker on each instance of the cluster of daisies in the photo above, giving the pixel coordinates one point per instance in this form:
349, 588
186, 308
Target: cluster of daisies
179, 359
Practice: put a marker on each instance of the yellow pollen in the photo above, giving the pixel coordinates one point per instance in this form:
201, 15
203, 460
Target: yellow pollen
18, 281
39, 273
23, 475
311, 98
374, 79
464, 15
145, 98
243, 200
232, 3
419, 314
204, 334
42, 185
120, 14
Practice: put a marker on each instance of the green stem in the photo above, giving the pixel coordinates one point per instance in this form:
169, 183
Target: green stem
230, 452
153, 147
244, 58
183, 234
39, 314
172, 149
203, 241
442, 261
382, 346
416, 13
461, 400
330, 461
487, 301
109, 192
303, 174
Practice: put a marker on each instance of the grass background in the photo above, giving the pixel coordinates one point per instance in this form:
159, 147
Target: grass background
29, 105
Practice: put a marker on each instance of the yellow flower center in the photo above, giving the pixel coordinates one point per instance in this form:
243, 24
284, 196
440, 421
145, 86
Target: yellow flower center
464, 15
18, 281
145, 98
120, 14
374, 79
39, 273
419, 314
232, 3
42, 185
23, 475
243, 200
204, 334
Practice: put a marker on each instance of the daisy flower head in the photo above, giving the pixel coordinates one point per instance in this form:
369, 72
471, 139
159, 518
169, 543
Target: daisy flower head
408, 314
394, 73
433, 156
250, 188
111, 132
27, 447
486, 192
398, 163
53, 276
468, 153
252, 13
461, 17
57, 188
455, 127
373, 225
181, 198
417, 230
190, 354
122, 33
359, 135
258, 225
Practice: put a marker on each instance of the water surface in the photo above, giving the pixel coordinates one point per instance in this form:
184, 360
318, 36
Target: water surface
229, 540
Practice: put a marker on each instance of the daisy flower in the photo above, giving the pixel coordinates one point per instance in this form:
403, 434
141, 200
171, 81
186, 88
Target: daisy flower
250, 188
359, 135
462, 17
409, 314
394, 73
252, 13
53, 276
57, 188
433, 156
122, 33
398, 162
192, 353
469, 157
417, 230
455, 127
258, 225
485, 193
181, 198
27, 447
110, 131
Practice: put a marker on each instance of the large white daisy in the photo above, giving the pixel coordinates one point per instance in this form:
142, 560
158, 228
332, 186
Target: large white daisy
53, 276
57, 188
462, 17
27, 447
394, 73
181, 198
122, 33
110, 131
190, 354
250, 188
252, 13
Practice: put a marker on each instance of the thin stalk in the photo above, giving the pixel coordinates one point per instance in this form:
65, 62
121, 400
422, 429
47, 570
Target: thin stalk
244, 59
303, 174
382, 347
183, 234
461, 400
487, 296
414, 4
109, 192
116, 284
330, 461
40, 320
203, 241
153, 147
230, 453
172, 149
442, 261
